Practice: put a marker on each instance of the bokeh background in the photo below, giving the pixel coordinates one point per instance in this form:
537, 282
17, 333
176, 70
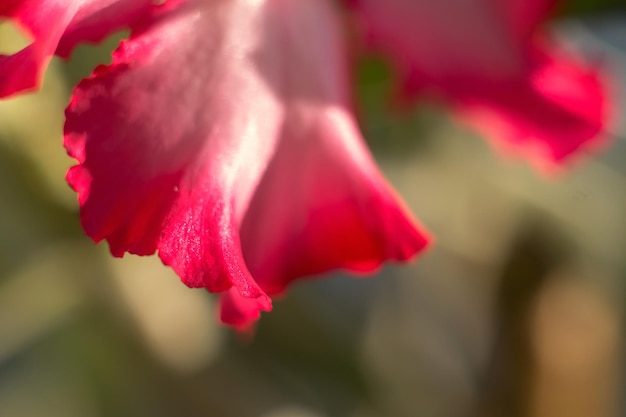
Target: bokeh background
517, 310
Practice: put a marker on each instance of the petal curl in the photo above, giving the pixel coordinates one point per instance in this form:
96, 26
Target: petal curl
488, 59
322, 205
199, 102
238, 311
56, 26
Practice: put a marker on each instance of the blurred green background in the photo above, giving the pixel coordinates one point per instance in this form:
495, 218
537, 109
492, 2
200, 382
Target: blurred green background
517, 310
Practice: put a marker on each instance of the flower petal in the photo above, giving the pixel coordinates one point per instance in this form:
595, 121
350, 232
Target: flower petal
494, 66
174, 137
558, 110
171, 144
322, 204
238, 311
58, 25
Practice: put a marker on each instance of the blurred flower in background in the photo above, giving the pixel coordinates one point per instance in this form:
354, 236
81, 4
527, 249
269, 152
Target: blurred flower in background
497, 65
516, 311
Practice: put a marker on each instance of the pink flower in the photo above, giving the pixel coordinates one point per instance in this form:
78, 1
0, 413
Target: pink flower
491, 62
222, 137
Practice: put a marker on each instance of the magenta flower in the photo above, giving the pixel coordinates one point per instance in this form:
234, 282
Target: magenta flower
491, 62
222, 137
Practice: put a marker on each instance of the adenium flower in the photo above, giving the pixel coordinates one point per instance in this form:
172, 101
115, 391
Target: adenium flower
222, 136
